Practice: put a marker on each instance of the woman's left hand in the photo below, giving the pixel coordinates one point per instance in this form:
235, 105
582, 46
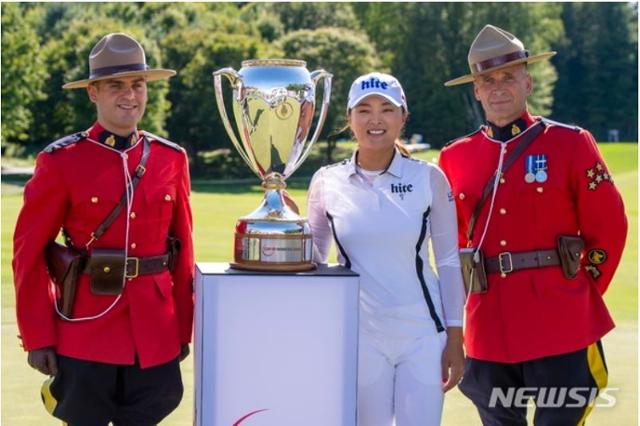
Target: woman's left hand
452, 359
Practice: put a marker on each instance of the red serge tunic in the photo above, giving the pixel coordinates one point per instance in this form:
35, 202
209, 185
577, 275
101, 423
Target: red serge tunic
76, 187
533, 313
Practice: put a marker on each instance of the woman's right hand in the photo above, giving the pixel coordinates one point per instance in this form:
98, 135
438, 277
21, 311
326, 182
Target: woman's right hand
452, 359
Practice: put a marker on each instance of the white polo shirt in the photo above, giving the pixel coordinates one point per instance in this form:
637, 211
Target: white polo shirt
382, 227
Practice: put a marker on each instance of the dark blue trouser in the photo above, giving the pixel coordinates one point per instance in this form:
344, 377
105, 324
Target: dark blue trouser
560, 385
90, 393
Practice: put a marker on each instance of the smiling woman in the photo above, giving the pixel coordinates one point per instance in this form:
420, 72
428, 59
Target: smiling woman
381, 208
376, 123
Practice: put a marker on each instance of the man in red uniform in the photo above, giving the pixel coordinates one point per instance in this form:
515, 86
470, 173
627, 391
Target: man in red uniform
535, 327
115, 357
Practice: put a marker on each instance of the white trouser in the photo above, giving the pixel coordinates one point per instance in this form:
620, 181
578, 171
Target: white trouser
401, 378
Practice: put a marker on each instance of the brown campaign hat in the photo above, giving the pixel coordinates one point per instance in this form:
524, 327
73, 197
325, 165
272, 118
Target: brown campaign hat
493, 49
118, 55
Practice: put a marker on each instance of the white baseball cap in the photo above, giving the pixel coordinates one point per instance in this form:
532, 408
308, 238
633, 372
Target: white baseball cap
377, 83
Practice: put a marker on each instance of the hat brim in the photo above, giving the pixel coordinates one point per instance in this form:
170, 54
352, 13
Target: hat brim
366, 95
470, 77
150, 75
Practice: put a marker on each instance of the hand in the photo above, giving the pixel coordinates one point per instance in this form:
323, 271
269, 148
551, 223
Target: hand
44, 360
289, 202
452, 359
184, 352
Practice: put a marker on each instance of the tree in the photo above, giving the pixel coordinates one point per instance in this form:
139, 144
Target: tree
346, 54
311, 15
598, 86
23, 73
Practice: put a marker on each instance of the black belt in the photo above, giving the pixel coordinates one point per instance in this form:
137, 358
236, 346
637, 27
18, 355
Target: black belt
143, 265
507, 262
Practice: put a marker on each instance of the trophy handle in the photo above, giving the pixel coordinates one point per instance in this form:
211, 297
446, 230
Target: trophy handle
233, 77
315, 77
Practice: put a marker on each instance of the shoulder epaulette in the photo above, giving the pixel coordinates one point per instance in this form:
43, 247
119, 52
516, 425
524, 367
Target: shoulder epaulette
557, 123
64, 141
462, 137
163, 141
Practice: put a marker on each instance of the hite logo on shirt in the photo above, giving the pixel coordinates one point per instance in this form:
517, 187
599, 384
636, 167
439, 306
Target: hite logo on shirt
401, 189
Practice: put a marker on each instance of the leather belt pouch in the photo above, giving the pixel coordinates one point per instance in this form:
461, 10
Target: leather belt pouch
65, 265
106, 268
570, 249
474, 274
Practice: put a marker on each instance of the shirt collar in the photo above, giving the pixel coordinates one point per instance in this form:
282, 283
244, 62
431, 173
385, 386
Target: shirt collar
99, 134
394, 168
511, 130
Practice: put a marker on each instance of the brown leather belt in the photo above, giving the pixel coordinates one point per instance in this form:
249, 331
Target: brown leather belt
143, 265
507, 262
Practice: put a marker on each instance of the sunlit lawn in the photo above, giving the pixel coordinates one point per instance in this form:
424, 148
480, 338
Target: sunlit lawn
216, 208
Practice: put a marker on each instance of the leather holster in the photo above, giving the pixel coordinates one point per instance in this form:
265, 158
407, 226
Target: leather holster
65, 264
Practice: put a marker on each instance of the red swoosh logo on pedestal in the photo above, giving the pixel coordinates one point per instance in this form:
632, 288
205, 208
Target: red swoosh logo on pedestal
243, 418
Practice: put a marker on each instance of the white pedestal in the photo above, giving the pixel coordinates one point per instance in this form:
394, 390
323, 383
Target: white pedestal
275, 349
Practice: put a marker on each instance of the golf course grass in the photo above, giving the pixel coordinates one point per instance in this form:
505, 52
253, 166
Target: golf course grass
216, 206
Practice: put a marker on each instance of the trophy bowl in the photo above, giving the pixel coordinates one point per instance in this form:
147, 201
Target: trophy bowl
273, 104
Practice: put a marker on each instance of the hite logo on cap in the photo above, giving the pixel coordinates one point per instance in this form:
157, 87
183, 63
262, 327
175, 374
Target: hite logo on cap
374, 83
380, 84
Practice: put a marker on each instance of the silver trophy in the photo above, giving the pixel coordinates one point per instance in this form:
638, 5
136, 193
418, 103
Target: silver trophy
273, 105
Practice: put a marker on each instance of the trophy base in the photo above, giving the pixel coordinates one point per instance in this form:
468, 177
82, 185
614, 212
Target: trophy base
267, 245
273, 238
273, 267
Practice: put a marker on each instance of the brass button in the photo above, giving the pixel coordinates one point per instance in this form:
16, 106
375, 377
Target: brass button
540, 189
503, 211
502, 180
462, 196
132, 215
106, 269
503, 243
503, 275
94, 200
133, 245
167, 197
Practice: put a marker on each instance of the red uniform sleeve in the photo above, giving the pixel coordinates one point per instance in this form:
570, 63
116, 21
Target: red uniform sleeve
39, 221
601, 217
181, 228
462, 226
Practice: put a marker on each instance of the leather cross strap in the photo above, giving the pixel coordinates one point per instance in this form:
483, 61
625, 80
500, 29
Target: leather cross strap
528, 137
142, 265
508, 262
139, 171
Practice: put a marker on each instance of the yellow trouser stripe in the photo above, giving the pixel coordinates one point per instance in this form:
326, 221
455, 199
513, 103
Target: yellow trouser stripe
599, 373
49, 400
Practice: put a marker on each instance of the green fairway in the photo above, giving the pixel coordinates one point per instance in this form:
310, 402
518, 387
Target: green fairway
216, 208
